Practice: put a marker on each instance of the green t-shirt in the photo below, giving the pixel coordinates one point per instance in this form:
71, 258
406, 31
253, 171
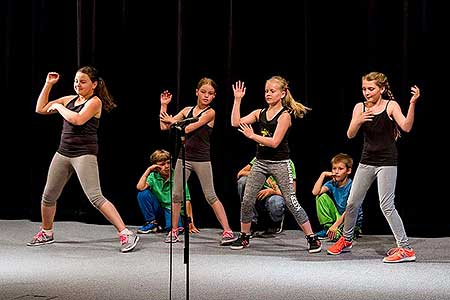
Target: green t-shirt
266, 185
160, 187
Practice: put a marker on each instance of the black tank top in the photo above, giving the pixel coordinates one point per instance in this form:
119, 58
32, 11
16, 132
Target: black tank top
267, 128
77, 140
198, 141
379, 147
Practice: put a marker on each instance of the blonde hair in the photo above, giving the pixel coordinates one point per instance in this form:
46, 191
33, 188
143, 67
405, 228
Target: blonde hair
296, 108
159, 155
344, 158
207, 81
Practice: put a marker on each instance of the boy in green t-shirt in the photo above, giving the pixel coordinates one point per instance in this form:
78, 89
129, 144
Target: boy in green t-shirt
154, 195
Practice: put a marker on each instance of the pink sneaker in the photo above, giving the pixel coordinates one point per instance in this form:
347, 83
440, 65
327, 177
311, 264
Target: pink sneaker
41, 238
172, 236
228, 237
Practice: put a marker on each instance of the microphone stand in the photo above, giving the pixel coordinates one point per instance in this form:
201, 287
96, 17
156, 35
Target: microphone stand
186, 219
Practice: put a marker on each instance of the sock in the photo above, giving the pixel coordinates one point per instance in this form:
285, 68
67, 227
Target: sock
48, 231
126, 231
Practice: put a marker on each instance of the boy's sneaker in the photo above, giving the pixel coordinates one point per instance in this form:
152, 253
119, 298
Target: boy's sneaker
149, 227
340, 246
228, 237
321, 235
397, 255
128, 242
314, 245
172, 236
243, 241
41, 238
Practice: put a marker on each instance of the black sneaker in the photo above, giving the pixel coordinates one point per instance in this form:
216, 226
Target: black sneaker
242, 242
314, 244
357, 233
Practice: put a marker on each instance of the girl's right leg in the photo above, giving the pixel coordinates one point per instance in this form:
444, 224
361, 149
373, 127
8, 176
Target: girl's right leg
177, 197
363, 179
59, 172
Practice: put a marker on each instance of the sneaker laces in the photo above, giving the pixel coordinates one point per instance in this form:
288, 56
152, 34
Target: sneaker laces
341, 243
123, 239
174, 233
227, 234
392, 251
39, 235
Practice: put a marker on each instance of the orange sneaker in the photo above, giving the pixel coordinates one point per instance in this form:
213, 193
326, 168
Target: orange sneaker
396, 255
340, 246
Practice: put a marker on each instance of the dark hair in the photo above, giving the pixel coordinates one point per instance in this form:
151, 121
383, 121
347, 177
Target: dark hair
101, 90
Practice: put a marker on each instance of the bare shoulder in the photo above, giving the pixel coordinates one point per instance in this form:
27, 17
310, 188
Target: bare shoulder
186, 110
392, 106
359, 107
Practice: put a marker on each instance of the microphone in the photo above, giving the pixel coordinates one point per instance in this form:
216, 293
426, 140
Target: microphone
184, 122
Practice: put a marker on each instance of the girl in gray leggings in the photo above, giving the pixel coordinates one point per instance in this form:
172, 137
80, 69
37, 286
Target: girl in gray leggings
272, 154
379, 120
77, 151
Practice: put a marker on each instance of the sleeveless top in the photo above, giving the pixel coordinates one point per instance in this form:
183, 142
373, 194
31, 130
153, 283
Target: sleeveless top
379, 147
197, 143
267, 128
77, 140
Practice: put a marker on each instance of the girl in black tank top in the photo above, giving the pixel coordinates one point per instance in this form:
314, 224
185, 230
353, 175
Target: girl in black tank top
272, 154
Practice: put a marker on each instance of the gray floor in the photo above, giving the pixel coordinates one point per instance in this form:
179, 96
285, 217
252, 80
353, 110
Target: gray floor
85, 263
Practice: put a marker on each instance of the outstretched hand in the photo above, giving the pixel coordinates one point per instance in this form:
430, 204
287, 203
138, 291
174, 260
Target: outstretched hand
166, 118
193, 229
165, 97
246, 129
239, 90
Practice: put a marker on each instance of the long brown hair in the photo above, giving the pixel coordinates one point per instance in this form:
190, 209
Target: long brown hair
101, 90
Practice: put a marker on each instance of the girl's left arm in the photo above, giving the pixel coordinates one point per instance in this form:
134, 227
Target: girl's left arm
406, 123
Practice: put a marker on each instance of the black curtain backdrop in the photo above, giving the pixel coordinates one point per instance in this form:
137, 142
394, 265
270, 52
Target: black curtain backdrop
144, 47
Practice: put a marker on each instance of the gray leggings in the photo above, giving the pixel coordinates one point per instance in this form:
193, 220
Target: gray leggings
282, 172
61, 169
386, 179
204, 173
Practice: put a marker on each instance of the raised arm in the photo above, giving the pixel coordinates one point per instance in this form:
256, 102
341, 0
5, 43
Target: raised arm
406, 123
43, 104
165, 120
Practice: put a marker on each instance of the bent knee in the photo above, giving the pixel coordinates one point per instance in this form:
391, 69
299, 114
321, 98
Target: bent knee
97, 201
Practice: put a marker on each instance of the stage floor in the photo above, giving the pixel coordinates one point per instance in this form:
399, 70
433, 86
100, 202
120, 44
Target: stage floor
85, 263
